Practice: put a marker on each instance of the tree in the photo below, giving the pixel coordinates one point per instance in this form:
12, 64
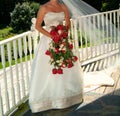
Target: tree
110, 5
7, 6
21, 17
104, 5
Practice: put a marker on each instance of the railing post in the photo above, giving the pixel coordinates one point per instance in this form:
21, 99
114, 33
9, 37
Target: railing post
118, 18
35, 33
1, 104
75, 23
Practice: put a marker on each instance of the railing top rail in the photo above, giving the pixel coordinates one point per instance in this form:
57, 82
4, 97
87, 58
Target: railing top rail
101, 13
14, 38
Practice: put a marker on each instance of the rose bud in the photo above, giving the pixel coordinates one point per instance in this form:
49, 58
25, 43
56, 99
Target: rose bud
71, 46
75, 58
60, 71
54, 71
70, 65
47, 52
60, 27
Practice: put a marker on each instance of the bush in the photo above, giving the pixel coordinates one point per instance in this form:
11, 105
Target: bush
21, 17
35, 6
110, 5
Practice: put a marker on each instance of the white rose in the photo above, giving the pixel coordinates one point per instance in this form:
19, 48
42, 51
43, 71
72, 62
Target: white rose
60, 32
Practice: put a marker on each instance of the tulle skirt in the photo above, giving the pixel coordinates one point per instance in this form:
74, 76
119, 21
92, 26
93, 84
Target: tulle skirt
53, 91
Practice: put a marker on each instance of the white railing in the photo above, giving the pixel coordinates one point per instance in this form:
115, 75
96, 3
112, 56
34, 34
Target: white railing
97, 35
15, 71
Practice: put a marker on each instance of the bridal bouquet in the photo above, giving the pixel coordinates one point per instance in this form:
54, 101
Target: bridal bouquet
60, 49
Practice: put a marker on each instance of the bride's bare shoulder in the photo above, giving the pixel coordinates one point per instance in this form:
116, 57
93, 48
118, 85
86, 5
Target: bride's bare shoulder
45, 7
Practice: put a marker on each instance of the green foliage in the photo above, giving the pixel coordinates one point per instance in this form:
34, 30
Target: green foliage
110, 5
35, 6
14, 62
104, 5
82, 36
6, 33
21, 17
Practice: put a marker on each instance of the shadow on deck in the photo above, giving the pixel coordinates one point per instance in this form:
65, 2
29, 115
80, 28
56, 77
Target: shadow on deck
106, 105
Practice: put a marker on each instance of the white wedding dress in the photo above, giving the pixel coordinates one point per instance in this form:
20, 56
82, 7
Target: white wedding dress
49, 91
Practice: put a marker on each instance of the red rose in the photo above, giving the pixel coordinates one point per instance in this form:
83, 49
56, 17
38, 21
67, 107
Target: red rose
53, 32
65, 34
56, 39
71, 46
54, 71
47, 52
75, 58
70, 65
63, 51
60, 71
60, 37
60, 27
57, 50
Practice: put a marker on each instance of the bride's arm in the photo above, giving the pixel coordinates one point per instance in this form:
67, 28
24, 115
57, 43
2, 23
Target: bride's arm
39, 20
67, 15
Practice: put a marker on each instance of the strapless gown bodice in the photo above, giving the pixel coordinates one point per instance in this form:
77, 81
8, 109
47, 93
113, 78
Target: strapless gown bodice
54, 18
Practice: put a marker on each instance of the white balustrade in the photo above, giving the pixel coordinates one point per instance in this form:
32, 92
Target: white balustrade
16, 56
102, 35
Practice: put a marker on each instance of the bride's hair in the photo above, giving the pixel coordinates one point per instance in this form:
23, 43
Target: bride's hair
45, 1
61, 1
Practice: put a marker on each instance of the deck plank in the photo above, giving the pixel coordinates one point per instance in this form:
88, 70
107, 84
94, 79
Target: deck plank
100, 90
105, 90
117, 89
116, 77
91, 97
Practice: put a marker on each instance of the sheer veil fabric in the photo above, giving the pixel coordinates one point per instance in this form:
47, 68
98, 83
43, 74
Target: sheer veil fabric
92, 80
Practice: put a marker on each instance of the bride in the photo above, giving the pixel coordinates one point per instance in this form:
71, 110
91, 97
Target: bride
49, 90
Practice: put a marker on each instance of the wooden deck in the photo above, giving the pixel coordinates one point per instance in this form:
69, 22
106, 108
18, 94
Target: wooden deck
105, 90
89, 97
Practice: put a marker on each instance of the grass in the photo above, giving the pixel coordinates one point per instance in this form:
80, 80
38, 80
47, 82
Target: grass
6, 33
14, 62
21, 110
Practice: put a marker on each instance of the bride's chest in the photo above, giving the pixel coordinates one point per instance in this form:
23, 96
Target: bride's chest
52, 16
